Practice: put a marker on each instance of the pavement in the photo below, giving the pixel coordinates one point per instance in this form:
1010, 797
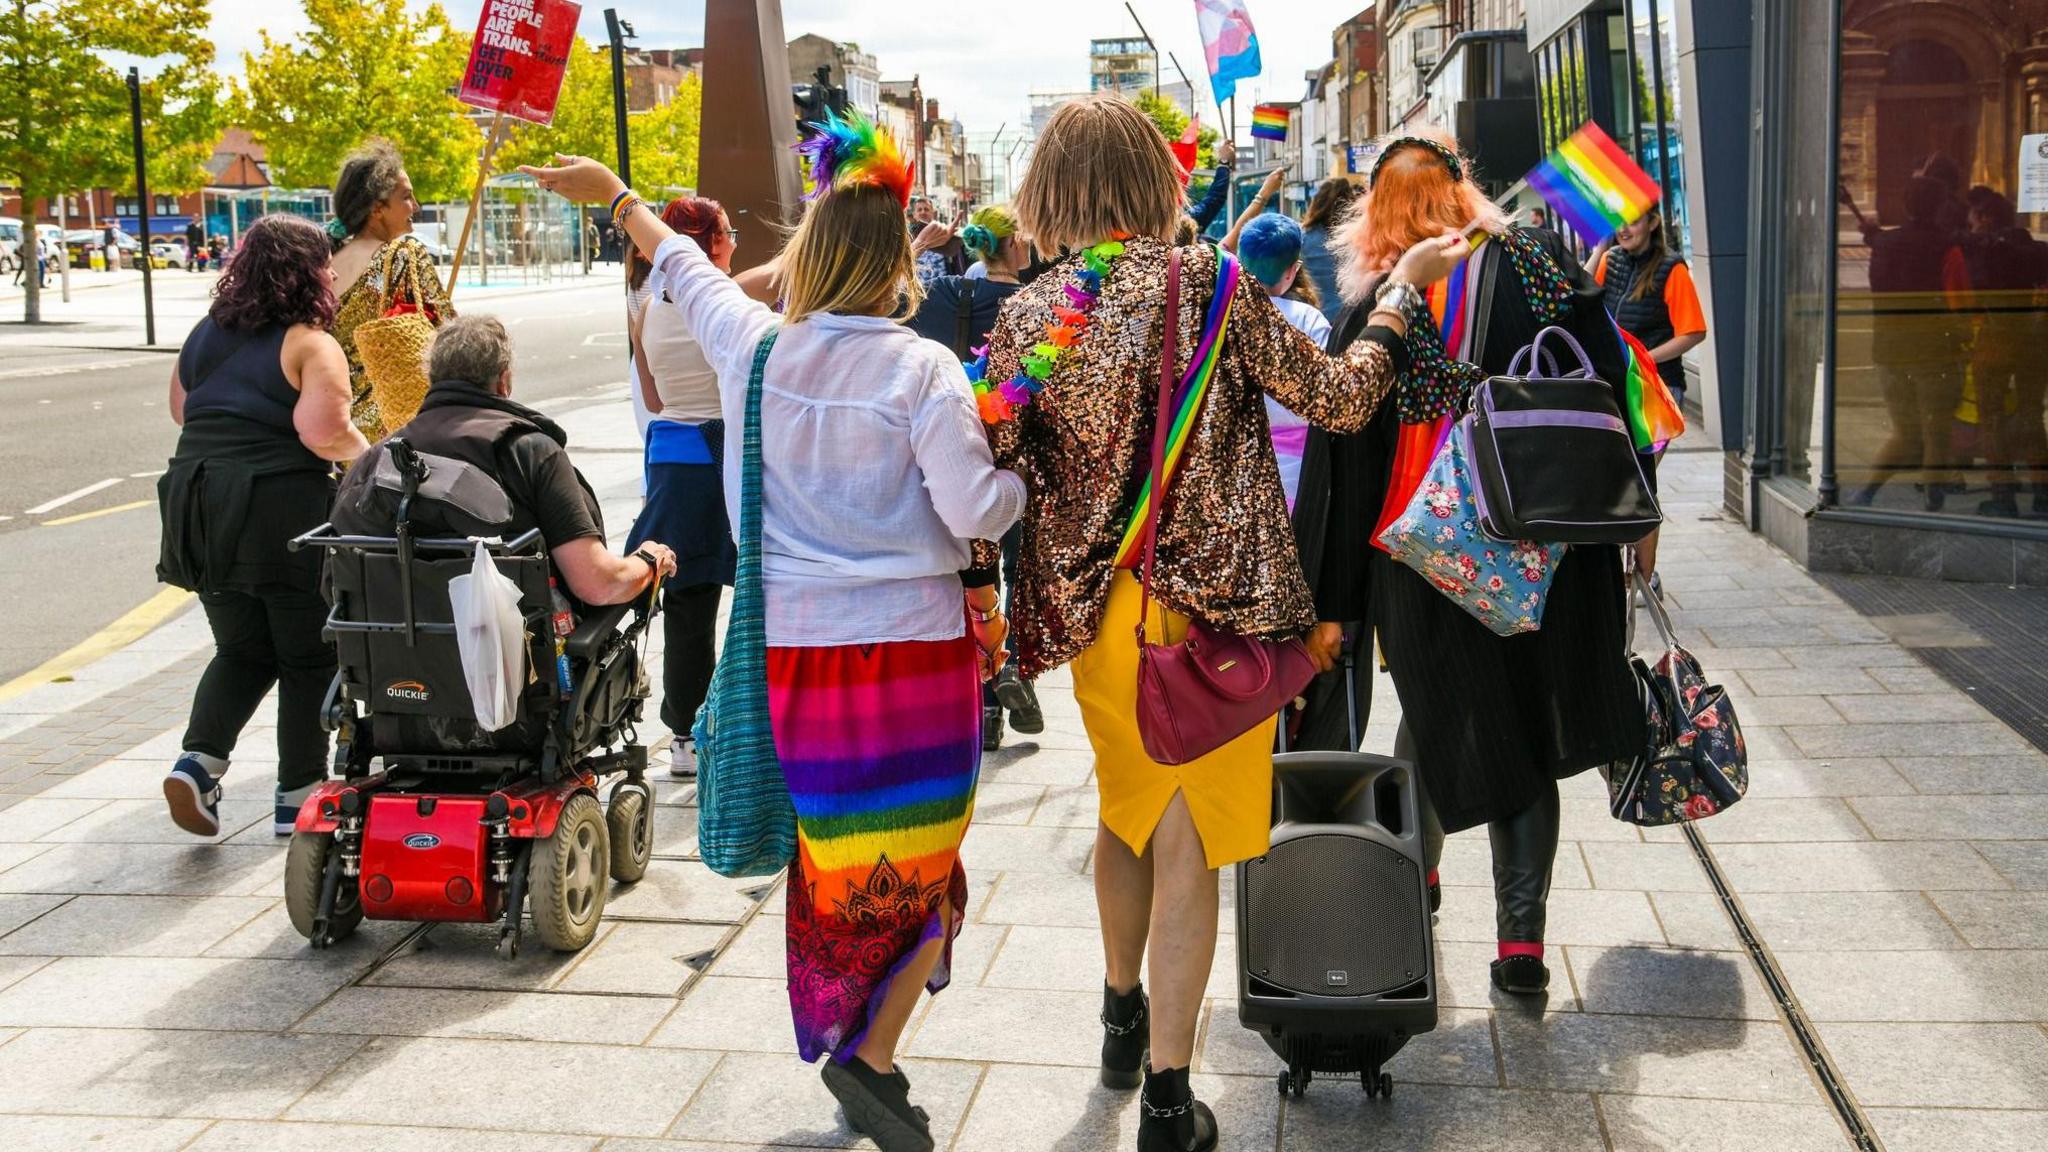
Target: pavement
1891, 862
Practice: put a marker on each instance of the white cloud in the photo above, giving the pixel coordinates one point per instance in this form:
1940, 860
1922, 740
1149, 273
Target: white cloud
980, 58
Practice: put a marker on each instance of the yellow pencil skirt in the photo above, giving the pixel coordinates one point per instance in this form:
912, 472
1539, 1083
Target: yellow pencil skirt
1229, 791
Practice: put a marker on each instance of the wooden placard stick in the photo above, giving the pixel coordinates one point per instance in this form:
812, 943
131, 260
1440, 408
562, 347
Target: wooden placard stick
495, 137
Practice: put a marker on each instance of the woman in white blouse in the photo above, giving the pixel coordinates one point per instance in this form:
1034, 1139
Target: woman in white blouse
875, 475
685, 506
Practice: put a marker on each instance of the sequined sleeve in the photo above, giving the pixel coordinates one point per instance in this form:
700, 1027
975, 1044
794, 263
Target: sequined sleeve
1003, 361
1339, 393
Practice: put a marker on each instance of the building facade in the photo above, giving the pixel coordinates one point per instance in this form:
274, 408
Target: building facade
848, 67
1122, 65
1413, 35
1895, 416
1356, 94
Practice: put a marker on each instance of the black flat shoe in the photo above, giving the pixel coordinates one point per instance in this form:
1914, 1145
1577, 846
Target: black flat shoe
1520, 975
1170, 1119
1126, 1037
878, 1105
1017, 695
991, 727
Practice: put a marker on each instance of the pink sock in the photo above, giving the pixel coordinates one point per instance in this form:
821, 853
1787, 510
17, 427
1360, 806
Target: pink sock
1521, 948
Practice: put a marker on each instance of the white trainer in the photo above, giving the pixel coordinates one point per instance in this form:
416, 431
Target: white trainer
682, 758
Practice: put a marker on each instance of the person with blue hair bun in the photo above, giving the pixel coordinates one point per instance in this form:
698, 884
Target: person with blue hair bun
1269, 247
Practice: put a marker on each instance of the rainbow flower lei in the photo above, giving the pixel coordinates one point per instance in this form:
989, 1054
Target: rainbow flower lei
1000, 402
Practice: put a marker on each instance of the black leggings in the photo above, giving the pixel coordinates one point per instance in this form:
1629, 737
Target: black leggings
1524, 849
260, 640
689, 651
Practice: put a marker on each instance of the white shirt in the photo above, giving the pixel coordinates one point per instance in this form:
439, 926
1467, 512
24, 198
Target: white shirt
1286, 440
875, 470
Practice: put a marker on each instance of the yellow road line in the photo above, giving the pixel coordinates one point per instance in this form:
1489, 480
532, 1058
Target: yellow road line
73, 519
132, 626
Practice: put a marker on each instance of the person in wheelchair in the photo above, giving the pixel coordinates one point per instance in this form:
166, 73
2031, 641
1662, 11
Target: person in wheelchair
469, 416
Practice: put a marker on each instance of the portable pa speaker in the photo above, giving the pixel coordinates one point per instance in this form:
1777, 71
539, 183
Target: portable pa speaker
1334, 963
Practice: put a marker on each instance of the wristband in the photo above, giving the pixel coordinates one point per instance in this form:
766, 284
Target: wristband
626, 203
647, 558
623, 193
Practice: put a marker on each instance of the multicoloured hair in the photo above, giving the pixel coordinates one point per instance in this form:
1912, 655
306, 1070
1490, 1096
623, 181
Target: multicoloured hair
987, 229
855, 153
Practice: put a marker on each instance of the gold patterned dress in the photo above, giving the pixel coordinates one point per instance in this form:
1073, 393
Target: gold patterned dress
405, 265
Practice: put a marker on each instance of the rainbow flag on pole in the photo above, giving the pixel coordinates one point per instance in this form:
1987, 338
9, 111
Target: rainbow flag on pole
1269, 122
1230, 44
1594, 185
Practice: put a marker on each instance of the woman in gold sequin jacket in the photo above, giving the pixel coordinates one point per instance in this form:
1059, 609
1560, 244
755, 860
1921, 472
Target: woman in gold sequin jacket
1104, 184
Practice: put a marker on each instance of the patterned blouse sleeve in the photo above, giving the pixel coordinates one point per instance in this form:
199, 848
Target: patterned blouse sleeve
1339, 393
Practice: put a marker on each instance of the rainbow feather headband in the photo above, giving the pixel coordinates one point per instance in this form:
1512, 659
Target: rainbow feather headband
854, 153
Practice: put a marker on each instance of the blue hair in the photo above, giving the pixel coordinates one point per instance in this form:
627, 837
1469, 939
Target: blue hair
1268, 247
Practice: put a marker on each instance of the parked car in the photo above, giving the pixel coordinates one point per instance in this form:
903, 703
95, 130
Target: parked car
83, 242
10, 245
166, 253
439, 251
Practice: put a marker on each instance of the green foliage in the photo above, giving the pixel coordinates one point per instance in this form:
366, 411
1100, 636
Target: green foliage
64, 117
1172, 123
583, 116
365, 68
665, 142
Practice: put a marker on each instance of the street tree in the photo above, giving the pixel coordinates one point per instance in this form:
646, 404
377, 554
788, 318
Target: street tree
64, 116
583, 116
665, 141
363, 69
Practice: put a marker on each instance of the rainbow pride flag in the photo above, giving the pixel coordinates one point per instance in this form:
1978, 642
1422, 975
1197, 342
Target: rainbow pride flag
1269, 122
1594, 185
1654, 419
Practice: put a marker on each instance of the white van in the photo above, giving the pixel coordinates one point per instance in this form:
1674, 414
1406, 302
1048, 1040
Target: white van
10, 244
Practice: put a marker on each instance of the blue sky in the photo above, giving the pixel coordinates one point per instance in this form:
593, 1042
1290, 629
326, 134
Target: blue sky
980, 58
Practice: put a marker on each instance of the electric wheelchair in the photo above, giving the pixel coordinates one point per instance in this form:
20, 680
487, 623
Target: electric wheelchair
432, 817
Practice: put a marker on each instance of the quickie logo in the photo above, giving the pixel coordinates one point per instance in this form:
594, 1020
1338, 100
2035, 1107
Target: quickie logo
408, 690
422, 840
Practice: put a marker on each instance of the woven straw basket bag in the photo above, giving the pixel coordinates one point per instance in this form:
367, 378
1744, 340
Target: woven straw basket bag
393, 349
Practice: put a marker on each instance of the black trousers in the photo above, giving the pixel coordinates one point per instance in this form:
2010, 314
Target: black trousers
1010, 542
1524, 849
258, 641
689, 631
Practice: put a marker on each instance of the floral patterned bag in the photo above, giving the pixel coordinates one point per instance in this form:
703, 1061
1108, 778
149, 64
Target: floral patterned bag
1503, 584
1694, 762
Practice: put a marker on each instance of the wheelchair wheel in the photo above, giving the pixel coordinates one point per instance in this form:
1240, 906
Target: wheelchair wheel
629, 820
567, 879
305, 870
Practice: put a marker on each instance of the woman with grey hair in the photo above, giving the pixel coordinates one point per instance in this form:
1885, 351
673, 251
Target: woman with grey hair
378, 263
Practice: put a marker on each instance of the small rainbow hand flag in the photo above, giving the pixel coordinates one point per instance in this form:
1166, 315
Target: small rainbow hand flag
1594, 185
1269, 122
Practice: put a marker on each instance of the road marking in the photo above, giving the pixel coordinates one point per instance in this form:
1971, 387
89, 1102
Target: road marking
68, 497
67, 369
129, 507
145, 475
133, 625
604, 340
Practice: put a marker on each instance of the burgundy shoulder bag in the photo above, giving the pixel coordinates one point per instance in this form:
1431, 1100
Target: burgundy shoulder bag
1215, 685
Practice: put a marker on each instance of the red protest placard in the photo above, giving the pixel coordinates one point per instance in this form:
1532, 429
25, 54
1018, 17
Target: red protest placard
517, 59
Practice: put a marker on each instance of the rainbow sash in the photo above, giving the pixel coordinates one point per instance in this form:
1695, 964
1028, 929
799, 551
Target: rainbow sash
1451, 306
1187, 404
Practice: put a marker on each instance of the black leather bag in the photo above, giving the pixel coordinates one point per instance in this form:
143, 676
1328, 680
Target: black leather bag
1552, 456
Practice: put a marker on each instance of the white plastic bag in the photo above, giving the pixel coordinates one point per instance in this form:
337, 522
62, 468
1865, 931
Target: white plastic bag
490, 633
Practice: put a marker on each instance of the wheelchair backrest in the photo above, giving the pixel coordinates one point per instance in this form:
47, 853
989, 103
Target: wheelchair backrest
422, 675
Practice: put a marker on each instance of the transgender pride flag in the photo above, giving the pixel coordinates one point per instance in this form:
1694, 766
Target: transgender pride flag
1232, 46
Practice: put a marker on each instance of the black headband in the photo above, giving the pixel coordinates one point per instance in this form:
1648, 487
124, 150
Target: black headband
1444, 154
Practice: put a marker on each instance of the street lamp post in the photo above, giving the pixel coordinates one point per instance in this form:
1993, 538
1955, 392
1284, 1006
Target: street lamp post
1150, 43
997, 139
142, 204
1185, 82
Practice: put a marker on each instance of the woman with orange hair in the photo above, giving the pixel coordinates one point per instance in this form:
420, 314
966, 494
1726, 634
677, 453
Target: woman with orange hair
1492, 722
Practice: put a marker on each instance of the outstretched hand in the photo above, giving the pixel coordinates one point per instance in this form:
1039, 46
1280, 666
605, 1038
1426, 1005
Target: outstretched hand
577, 178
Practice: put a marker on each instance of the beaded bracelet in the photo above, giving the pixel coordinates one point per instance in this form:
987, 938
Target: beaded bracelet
624, 205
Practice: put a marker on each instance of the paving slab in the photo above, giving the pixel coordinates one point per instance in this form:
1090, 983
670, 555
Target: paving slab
1949, 818
2022, 863
1963, 775
17, 910
737, 1014
1942, 1065
466, 956
1831, 922
1014, 1026
73, 1071
603, 1090
37, 816
1935, 1130
1767, 820
684, 890
135, 925
448, 1012
1434, 1118
1954, 986
1662, 1124
644, 959
1021, 1108
1459, 1051
147, 822
1706, 1059
756, 1098
1669, 982
156, 992
991, 848
1846, 776
68, 1133
195, 869
1997, 919
282, 1136
1872, 866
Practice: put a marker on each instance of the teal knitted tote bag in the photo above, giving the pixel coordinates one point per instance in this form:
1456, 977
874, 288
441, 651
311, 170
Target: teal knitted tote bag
746, 825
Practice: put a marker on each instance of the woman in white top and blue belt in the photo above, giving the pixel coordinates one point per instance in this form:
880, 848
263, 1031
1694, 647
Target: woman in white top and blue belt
685, 505
875, 475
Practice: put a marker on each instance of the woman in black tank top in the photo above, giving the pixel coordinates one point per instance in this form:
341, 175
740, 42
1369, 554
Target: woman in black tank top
261, 392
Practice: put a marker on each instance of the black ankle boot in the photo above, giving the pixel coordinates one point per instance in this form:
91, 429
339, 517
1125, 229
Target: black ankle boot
1170, 1119
877, 1105
1521, 975
1126, 1037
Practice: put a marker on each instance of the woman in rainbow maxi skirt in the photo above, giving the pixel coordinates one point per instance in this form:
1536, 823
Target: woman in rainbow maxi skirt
875, 475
